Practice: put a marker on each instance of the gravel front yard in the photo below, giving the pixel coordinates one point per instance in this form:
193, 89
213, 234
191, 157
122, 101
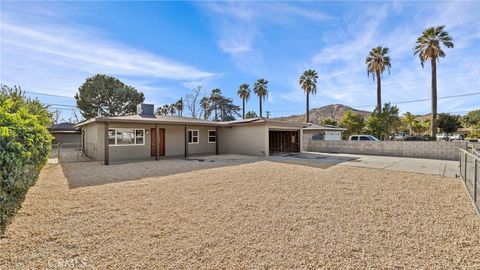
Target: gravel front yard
261, 214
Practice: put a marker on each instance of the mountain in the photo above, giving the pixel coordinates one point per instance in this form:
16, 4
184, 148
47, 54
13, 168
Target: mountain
333, 111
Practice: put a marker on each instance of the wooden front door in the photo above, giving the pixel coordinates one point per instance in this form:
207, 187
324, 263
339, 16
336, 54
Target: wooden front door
153, 140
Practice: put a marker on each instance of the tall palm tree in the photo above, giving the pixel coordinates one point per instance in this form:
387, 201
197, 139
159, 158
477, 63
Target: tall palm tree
377, 61
172, 109
215, 97
179, 106
165, 109
428, 47
260, 89
308, 82
205, 105
244, 94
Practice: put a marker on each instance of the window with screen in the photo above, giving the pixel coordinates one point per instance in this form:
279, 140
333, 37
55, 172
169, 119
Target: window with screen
212, 136
193, 136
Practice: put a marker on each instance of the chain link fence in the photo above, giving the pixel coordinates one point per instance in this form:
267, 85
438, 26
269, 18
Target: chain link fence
68, 152
470, 173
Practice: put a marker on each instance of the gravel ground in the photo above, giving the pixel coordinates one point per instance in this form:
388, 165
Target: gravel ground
257, 215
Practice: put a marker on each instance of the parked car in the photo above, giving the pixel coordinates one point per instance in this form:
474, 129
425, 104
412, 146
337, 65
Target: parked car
456, 137
442, 137
363, 138
416, 138
400, 136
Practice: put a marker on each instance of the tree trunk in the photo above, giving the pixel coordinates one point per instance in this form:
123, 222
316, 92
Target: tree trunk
243, 108
379, 92
308, 109
260, 107
434, 98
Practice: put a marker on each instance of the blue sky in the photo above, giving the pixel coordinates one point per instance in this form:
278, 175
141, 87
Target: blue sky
164, 49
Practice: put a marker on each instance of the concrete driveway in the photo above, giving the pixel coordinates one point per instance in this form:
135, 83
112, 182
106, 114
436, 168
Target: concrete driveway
447, 168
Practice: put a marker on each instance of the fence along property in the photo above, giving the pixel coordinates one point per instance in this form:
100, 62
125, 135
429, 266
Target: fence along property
470, 173
68, 152
431, 150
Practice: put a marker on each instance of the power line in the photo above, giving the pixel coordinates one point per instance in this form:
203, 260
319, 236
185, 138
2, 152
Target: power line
62, 109
426, 99
62, 105
45, 94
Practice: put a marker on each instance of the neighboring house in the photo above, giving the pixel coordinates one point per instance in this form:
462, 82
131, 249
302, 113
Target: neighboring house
316, 132
65, 133
146, 135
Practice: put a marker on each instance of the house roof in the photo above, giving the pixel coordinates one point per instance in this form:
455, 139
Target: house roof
324, 127
157, 119
63, 128
258, 120
177, 120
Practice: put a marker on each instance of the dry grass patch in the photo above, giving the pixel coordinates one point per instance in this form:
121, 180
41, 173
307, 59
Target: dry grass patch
257, 215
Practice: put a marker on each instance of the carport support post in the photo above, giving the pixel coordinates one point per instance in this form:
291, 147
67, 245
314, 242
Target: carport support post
106, 158
186, 142
300, 140
157, 142
216, 141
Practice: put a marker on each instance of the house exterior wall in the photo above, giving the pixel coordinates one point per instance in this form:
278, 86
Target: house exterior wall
174, 141
90, 144
244, 140
66, 138
333, 135
203, 147
327, 134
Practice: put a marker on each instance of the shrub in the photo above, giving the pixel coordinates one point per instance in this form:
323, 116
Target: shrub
25, 145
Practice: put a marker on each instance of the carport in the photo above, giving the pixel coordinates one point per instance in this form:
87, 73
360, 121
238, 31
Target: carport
283, 140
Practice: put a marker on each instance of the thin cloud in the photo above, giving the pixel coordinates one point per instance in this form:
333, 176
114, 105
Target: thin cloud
239, 25
92, 54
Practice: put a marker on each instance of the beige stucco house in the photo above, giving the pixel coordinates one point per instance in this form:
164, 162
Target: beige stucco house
146, 135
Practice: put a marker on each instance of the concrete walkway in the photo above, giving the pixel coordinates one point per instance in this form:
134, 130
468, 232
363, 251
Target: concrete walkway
447, 168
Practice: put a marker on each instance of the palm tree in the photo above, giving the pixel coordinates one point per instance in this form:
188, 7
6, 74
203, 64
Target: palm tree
244, 94
205, 105
260, 89
428, 47
409, 120
179, 106
377, 61
172, 109
165, 109
215, 97
308, 82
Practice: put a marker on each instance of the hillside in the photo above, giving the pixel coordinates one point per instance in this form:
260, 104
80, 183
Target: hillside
333, 111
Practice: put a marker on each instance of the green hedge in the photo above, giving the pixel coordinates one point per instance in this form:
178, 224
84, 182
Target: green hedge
25, 145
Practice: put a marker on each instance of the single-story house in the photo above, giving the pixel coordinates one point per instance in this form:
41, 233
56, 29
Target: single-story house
65, 133
146, 135
317, 132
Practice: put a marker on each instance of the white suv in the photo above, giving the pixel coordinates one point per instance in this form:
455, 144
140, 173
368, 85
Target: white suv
363, 138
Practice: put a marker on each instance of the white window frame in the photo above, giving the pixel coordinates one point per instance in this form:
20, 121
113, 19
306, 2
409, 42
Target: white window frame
198, 136
134, 132
212, 136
